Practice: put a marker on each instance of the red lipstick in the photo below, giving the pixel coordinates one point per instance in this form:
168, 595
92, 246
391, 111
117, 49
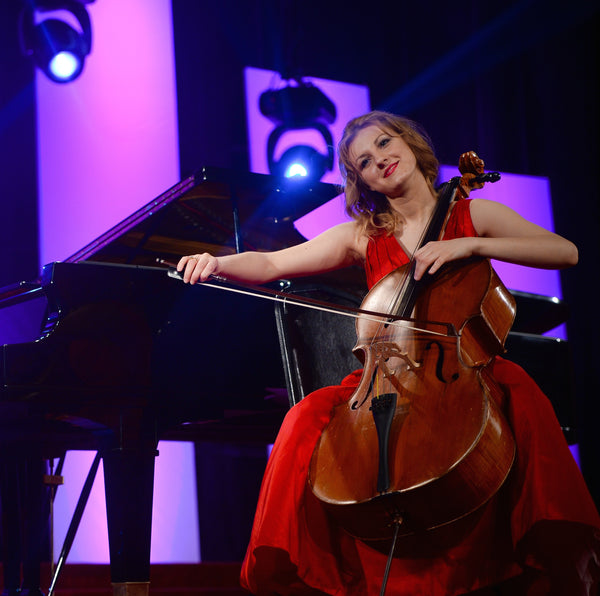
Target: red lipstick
390, 170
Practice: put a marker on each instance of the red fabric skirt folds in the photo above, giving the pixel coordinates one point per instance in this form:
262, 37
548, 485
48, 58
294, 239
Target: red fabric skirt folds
295, 549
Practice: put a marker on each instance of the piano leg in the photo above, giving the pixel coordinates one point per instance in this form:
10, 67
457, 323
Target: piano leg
129, 485
25, 518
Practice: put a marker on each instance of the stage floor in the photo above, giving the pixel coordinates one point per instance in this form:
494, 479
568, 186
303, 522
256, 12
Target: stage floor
203, 579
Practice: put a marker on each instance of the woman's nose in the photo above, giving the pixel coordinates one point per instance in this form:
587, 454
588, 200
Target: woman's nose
381, 160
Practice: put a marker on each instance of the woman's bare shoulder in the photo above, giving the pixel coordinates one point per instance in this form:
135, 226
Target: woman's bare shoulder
349, 234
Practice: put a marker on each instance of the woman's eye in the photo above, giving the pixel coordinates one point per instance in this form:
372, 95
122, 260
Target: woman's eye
363, 164
383, 142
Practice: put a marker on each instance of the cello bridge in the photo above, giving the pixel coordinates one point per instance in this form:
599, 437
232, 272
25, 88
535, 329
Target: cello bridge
385, 351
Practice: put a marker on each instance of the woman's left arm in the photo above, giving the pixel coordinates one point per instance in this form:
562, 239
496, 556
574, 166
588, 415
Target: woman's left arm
507, 236
503, 235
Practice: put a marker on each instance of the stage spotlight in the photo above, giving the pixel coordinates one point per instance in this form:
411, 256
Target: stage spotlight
57, 48
301, 161
296, 107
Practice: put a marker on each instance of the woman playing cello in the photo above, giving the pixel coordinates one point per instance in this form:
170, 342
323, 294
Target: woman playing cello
540, 533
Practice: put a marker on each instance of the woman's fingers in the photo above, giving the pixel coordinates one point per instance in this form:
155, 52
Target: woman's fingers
433, 255
197, 267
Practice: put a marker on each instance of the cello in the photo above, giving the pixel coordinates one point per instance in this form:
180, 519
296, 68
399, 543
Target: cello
422, 443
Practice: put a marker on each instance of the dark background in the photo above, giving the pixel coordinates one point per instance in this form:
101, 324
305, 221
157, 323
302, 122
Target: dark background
515, 81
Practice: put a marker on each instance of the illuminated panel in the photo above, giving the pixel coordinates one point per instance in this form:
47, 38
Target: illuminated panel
174, 516
350, 101
107, 144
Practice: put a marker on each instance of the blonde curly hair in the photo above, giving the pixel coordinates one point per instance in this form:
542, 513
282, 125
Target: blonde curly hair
369, 208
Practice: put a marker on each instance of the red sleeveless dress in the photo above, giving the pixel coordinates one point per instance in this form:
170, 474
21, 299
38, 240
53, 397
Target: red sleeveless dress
542, 516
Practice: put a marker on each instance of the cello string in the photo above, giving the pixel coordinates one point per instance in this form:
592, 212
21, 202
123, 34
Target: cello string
442, 207
403, 296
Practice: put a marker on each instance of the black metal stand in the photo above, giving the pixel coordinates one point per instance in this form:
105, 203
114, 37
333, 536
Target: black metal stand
74, 525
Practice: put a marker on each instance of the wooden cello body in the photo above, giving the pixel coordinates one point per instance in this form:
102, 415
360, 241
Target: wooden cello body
422, 442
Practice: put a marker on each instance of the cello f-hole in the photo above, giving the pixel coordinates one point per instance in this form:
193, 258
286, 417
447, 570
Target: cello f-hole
439, 366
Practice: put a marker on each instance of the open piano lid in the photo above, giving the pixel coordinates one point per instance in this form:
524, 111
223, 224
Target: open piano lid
215, 210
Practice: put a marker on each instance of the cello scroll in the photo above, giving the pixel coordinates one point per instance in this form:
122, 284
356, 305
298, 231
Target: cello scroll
473, 176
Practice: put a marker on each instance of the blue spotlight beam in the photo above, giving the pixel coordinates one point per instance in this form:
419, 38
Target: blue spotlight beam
519, 27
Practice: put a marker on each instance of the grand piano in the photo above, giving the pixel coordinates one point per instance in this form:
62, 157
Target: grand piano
106, 351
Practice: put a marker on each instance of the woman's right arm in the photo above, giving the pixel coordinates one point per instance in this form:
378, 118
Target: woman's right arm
335, 248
